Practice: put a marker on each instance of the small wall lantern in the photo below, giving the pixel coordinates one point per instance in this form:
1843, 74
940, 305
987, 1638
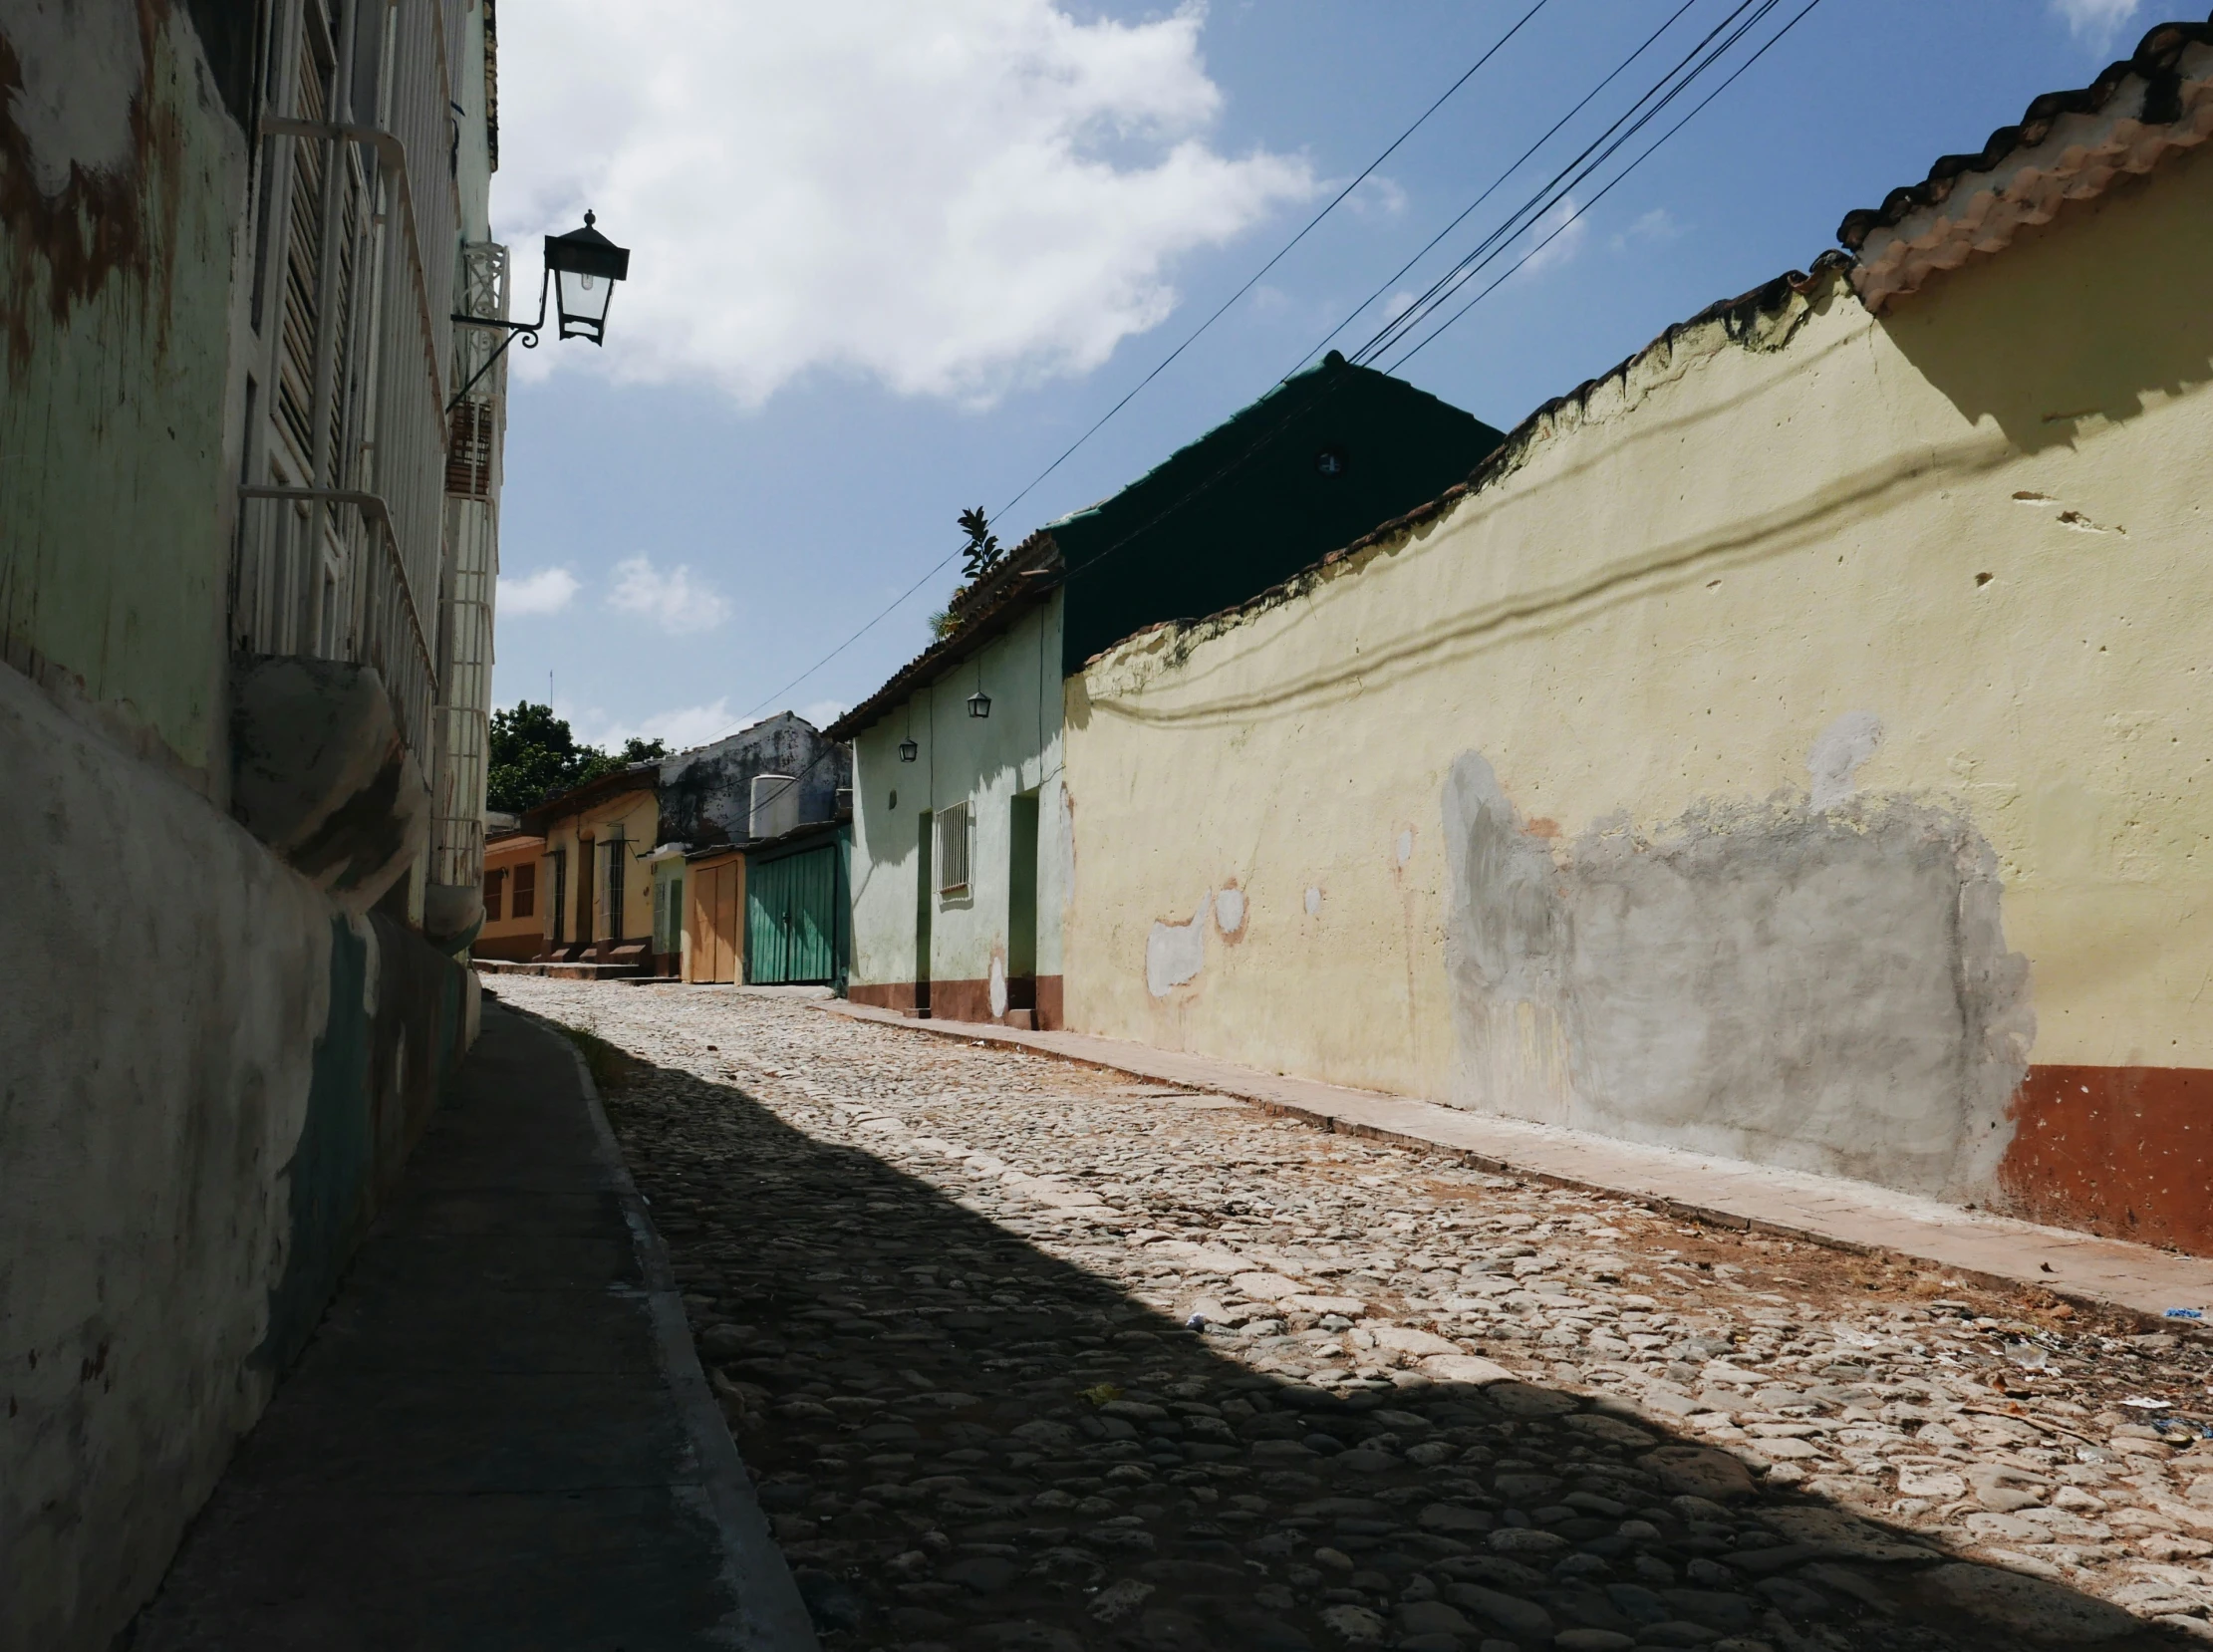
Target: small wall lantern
979, 704
585, 265
909, 750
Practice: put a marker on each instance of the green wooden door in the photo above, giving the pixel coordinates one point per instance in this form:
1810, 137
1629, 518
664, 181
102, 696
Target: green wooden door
791, 918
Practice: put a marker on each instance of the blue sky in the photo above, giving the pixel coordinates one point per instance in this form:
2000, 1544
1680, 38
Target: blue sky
890, 260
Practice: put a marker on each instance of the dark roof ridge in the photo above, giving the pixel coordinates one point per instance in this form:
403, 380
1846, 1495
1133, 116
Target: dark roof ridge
2153, 62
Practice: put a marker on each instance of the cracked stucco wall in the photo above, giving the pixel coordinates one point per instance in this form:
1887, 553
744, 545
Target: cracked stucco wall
1790, 740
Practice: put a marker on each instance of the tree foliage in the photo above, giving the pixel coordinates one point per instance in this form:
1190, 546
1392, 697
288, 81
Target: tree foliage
981, 553
535, 755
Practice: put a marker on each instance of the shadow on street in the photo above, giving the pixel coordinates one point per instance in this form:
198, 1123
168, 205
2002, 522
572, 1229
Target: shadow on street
965, 1442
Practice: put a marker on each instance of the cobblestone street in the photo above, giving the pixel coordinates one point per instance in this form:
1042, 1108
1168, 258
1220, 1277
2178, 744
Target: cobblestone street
1029, 1356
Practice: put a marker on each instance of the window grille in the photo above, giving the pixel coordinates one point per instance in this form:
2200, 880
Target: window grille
953, 849
524, 902
492, 881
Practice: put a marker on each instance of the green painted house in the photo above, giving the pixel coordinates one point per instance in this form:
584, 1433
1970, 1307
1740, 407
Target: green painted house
963, 848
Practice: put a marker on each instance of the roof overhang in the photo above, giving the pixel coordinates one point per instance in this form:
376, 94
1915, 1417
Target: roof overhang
2068, 147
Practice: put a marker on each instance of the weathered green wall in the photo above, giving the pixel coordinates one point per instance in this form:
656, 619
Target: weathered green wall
121, 178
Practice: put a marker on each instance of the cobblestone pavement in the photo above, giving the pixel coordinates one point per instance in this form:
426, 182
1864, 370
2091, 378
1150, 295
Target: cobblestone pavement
945, 1291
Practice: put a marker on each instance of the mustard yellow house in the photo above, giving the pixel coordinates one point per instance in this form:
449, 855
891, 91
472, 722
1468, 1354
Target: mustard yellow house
596, 878
1792, 744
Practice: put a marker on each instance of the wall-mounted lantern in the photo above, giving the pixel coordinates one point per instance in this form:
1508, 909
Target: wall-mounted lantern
585, 265
979, 704
909, 750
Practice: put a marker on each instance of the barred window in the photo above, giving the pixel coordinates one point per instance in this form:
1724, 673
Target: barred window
953, 849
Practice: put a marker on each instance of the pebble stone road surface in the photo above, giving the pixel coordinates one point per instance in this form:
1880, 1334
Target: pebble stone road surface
946, 1293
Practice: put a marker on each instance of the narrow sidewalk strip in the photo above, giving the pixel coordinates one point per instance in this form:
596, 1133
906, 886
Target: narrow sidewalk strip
499, 1438
1828, 1210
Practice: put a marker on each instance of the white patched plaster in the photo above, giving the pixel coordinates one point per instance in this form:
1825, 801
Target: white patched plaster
82, 64
1837, 754
1406, 846
1175, 953
1229, 909
998, 987
1313, 902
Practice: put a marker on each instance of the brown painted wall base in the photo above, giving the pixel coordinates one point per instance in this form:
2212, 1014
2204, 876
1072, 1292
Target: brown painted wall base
965, 1000
2119, 1151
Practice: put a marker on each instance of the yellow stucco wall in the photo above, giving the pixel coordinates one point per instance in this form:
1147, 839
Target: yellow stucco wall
1979, 521
635, 816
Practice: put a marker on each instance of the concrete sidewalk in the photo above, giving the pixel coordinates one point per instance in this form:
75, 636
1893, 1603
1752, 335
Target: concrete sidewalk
499, 1436
1825, 1210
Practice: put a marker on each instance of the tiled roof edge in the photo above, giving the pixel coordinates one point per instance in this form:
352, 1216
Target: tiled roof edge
2153, 65
1031, 568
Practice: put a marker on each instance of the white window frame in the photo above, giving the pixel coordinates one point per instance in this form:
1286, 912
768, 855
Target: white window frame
955, 825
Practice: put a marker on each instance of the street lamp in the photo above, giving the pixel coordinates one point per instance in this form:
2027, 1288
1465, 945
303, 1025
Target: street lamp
587, 265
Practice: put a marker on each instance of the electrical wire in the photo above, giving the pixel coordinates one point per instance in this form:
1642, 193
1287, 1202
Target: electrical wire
1568, 223
1491, 189
1281, 252
1671, 85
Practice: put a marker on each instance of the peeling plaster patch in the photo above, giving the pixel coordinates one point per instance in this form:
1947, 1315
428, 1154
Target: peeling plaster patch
82, 69
998, 987
1825, 991
1313, 902
1406, 846
1229, 909
1175, 953
1840, 750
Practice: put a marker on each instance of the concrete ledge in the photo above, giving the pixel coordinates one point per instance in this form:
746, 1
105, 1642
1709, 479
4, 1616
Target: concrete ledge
560, 972
1848, 1216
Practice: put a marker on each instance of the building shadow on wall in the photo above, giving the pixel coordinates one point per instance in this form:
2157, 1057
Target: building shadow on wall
2085, 319
963, 1442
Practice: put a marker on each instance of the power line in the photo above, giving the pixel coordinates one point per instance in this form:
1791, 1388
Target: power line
1252, 281
1491, 189
1561, 229
1671, 85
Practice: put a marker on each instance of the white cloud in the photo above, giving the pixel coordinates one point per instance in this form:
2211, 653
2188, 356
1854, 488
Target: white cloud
1377, 194
1563, 231
824, 713
547, 591
682, 728
953, 198
2098, 20
1655, 226
676, 599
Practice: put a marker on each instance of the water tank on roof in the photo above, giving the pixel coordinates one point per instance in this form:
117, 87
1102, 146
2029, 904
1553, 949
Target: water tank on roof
775, 806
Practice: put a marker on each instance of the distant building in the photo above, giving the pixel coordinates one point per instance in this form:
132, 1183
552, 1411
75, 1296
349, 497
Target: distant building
642, 869
512, 928
962, 836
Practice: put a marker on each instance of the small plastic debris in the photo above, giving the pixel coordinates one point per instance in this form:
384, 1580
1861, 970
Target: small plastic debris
2186, 1313
2027, 1354
2149, 1405
1197, 1323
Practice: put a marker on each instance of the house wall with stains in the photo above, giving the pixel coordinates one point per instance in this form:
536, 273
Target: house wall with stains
907, 932
121, 194
212, 1076
210, 1070
1793, 745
